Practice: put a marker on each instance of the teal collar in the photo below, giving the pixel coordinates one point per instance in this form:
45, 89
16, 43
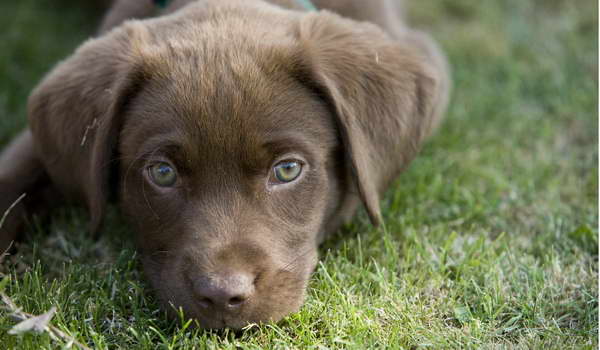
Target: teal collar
307, 4
161, 3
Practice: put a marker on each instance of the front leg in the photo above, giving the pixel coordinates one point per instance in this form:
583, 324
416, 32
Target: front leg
21, 174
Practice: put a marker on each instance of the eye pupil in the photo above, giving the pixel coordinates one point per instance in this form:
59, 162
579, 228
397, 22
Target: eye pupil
164, 169
287, 171
163, 174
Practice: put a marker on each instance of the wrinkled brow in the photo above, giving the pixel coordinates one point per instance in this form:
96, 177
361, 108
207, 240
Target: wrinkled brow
290, 143
159, 145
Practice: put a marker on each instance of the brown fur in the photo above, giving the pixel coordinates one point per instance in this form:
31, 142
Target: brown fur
223, 89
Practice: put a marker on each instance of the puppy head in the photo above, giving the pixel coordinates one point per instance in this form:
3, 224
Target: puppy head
228, 168
238, 139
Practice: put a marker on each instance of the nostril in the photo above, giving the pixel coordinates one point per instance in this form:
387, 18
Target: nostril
221, 292
236, 301
205, 302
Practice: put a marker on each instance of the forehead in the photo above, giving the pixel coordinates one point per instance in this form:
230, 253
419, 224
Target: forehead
230, 101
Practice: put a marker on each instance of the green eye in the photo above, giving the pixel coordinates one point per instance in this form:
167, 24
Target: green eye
162, 174
287, 171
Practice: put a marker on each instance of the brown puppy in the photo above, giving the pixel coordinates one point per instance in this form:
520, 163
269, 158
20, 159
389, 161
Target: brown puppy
236, 134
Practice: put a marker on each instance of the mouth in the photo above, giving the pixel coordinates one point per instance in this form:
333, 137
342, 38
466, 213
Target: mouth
205, 319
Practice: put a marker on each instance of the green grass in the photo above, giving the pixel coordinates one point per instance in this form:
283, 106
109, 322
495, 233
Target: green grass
492, 234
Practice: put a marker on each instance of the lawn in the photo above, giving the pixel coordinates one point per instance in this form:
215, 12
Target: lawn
491, 236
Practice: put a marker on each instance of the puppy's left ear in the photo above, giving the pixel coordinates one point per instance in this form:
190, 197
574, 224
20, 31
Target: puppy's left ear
387, 94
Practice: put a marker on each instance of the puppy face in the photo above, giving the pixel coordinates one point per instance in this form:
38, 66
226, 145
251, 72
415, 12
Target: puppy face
228, 185
240, 134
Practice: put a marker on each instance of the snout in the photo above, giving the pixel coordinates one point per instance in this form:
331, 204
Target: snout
225, 292
230, 286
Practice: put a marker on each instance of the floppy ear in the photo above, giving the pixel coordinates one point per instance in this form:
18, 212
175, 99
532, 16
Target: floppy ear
75, 115
387, 95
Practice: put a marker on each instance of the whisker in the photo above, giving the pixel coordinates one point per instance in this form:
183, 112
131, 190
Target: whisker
296, 260
129, 169
148, 202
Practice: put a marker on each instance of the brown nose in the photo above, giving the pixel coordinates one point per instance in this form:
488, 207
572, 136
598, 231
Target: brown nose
224, 292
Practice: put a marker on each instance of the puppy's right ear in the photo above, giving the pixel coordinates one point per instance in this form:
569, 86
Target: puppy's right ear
76, 114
